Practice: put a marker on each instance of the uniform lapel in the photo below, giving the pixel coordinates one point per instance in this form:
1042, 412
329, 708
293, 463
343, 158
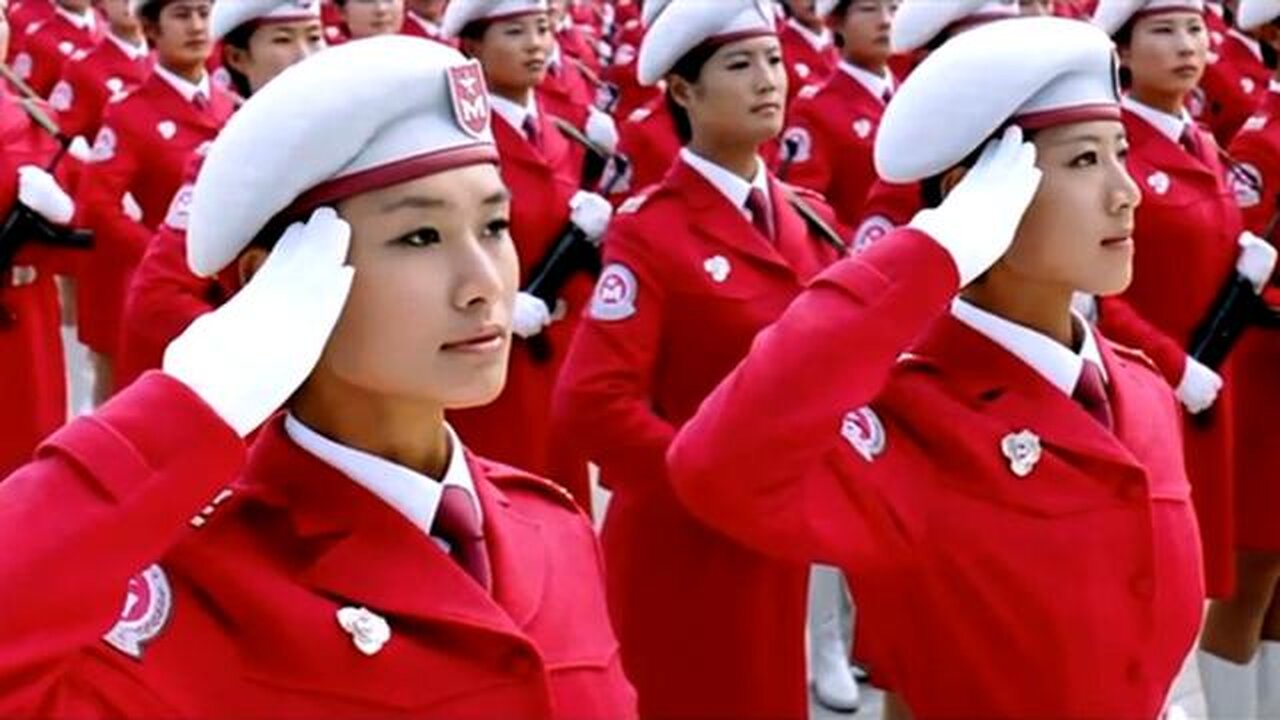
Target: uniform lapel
514, 147
517, 550
363, 551
998, 384
716, 220
1150, 143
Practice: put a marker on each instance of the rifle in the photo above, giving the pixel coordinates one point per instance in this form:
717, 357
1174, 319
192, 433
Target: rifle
22, 224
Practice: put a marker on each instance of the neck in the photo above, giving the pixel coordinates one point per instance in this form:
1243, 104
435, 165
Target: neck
1042, 307
72, 10
878, 66
410, 434
1166, 102
191, 73
131, 34
520, 96
813, 26
739, 159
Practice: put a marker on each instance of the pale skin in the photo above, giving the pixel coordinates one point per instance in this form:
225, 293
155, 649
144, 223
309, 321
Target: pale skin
737, 103
368, 18
273, 47
427, 327
1035, 7
1075, 236
866, 26
1166, 56
122, 22
803, 11
514, 54
181, 39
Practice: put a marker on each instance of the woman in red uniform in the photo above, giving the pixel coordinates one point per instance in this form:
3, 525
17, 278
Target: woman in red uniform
512, 40
693, 268
1248, 625
994, 476
360, 561
828, 141
1189, 243
138, 158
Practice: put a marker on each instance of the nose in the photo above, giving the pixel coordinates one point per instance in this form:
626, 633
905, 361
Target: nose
1125, 194
479, 279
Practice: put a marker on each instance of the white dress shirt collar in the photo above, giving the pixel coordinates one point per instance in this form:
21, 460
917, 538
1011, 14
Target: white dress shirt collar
513, 113
430, 28
414, 495
729, 184
817, 40
1056, 363
875, 84
1171, 126
131, 51
88, 20
185, 88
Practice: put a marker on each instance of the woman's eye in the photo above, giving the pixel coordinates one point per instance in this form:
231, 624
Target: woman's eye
420, 238
775, 60
1085, 159
497, 228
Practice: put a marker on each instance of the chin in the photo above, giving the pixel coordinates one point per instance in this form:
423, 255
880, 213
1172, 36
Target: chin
1109, 283
477, 393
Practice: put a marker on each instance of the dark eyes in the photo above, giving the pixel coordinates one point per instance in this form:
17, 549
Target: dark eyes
424, 237
773, 60
1090, 158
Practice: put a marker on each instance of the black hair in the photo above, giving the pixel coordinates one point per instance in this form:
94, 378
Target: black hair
1123, 37
688, 68
1270, 57
839, 11
931, 188
474, 30
150, 12
239, 39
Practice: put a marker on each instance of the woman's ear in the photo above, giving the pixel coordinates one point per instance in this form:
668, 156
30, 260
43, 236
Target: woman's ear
249, 262
469, 47
681, 90
235, 58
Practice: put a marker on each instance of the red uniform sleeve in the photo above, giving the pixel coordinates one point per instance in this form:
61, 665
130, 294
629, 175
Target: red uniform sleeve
604, 397
45, 64
751, 462
100, 200
105, 496
1120, 322
806, 153
79, 102
1255, 178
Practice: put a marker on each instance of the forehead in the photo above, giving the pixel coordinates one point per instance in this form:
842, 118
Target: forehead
762, 43
1104, 131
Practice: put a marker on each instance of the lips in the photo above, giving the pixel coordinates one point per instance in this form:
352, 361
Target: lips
1118, 240
484, 340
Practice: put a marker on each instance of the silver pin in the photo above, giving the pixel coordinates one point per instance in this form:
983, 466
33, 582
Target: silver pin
1023, 451
369, 631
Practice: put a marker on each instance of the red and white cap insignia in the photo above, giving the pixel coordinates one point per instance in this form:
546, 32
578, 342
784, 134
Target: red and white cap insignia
147, 606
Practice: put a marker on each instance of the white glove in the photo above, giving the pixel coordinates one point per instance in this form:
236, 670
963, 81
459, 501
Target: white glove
1256, 261
602, 131
80, 149
1199, 387
976, 222
530, 317
247, 357
591, 213
38, 190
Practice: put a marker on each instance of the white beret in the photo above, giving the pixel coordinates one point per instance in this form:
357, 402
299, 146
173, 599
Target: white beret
1253, 14
823, 8
1111, 15
354, 118
918, 22
458, 14
651, 10
686, 24
231, 14
1051, 71
136, 6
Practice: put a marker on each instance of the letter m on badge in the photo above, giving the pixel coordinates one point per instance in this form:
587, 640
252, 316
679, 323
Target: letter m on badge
470, 98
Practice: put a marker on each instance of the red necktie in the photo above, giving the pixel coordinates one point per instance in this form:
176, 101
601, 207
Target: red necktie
458, 524
200, 101
1091, 393
532, 132
759, 210
1190, 141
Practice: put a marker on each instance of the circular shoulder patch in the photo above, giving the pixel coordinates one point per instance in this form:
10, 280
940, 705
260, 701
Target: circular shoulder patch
797, 144
180, 208
615, 295
871, 230
62, 97
863, 431
23, 64
147, 604
1246, 183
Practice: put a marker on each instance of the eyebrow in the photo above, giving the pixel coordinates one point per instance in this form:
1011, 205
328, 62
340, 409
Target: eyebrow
1091, 138
426, 202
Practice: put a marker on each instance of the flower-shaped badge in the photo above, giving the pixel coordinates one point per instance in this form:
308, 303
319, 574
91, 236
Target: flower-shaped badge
1023, 451
368, 630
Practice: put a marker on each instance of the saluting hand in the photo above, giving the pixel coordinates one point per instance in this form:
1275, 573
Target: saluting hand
247, 357
977, 221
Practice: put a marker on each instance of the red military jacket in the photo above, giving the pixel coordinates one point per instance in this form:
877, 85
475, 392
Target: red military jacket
22, 15
887, 206
91, 80
142, 150
650, 143
46, 46
832, 130
1233, 82
542, 180
32, 370
687, 284
965, 497
566, 92
230, 593
807, 63
416, 26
